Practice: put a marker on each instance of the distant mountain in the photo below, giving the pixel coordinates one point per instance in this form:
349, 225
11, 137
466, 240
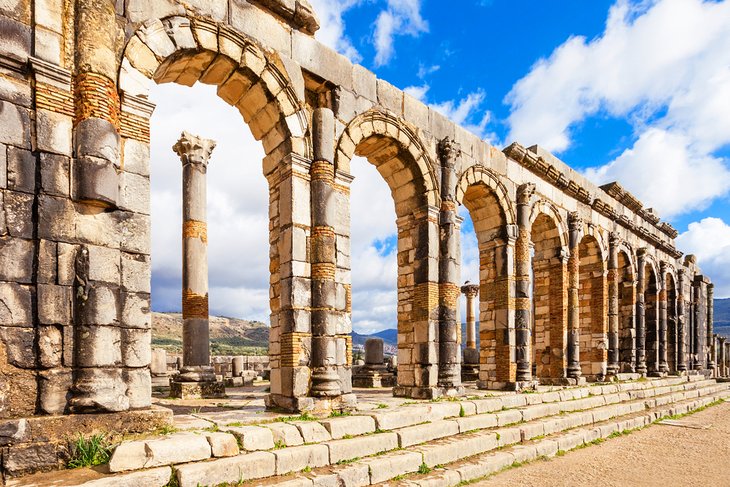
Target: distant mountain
722, 317
228, 336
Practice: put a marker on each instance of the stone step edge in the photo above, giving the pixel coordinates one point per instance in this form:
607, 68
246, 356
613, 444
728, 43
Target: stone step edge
359, 463
486, 465
499, 422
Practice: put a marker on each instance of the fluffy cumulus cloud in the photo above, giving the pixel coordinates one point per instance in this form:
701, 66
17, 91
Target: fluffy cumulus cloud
665, 66
400, 17
709, 240
332, 26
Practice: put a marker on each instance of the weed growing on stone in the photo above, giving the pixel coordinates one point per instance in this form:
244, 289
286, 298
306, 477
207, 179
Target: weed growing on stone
339, 414
173, 480
382, 406
424, 469
89, 452
462, 413
560, 453
348, 461
279, 444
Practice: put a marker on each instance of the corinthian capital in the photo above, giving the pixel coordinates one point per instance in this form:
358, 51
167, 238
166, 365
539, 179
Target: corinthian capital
524, 193
575, 222
193, 149
449, 150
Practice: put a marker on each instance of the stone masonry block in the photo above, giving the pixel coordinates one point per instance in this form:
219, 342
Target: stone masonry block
16, 260
361, 446
285, 434
99, 346
53, 132
21, 170
173, 449
227, 470
54, 304
222, 444
252, 438
55, 174
297, 458
15, 305
14, 124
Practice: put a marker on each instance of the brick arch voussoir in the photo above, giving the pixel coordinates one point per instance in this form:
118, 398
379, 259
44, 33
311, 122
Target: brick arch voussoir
186, 50
547, 208
625, 248
481, 175
375, 122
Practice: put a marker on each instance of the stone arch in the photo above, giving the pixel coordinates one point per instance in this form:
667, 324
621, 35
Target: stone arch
268, 91
627, 309
401, 158
480, 175
186, 50
593, 298
493, 216
652, 285
549, 292
672, 337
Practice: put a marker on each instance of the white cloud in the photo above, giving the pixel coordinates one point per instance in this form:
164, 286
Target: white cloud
401, 17
665, 172
332, 26
709, 240
664, 65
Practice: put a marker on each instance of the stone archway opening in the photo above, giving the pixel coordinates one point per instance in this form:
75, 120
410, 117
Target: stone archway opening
490, 225
672, 323
593, 307
626, 313
651, 303
550, 297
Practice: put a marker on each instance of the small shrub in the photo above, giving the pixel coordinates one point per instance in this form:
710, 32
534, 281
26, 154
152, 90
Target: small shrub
462, 413
424, 469
89, 452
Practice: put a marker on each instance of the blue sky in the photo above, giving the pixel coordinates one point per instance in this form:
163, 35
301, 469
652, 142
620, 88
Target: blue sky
632, 91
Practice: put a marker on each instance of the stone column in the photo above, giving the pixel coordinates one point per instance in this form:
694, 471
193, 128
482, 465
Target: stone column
523, 302
662, 310
194, 152
613, 305
699, 322
237, 366
449, 372
471, 291
325, 379
575, 224
641, 312
710, 318
681, 322
723, 358
374, 373
158, 366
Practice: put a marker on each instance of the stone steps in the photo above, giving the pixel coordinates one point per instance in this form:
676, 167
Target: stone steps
371, 444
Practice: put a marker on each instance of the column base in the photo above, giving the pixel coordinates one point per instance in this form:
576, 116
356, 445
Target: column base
469, 372
197, 390
318, 406
373, 378
429, 392
657, 373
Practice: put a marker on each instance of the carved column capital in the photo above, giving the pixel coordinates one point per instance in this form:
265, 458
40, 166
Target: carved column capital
193, 149
575, 222
614, 240
524, 193
448, 151
470, 290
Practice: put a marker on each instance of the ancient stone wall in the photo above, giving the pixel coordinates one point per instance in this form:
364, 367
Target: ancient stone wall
75, 223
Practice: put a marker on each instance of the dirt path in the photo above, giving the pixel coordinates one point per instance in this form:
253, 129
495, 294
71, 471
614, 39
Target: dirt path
660, 455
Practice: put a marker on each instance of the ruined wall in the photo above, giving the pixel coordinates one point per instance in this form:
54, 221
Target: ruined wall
75, 225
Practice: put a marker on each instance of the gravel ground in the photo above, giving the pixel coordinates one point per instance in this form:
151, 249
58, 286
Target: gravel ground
696, 453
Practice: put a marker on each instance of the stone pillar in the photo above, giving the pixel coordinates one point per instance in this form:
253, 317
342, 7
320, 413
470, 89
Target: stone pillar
158, 366
613, 305
374, 373
197, 377
723, 358
699, 322
523, 301
641, 312
325, 379
449, 371
710, 318
575, 224
237, 366
471, 291
662, 310
681, 323
470, 364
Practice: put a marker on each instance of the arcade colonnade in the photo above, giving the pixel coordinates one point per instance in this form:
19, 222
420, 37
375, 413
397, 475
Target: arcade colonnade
575, 280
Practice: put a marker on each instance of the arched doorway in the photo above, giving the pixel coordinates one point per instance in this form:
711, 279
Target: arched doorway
592, 295
672, 323
626, 313
651, 302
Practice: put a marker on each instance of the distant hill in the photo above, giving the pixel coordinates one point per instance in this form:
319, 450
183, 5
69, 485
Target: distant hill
228, 336
722, 317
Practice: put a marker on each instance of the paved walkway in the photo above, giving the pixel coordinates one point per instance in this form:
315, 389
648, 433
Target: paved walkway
697, 453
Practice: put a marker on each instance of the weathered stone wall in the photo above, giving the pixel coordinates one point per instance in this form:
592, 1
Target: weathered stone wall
75, 223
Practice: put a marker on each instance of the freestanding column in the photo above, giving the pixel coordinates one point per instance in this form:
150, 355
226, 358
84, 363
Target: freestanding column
325, 379
449, 372
641, 312
681, 322
523, 303
471, 291
575, 224
699, 321
613, 315
662, 309
194, 152
710, 317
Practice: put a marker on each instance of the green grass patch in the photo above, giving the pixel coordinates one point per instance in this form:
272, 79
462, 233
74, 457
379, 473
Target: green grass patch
89, 452
424, 469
